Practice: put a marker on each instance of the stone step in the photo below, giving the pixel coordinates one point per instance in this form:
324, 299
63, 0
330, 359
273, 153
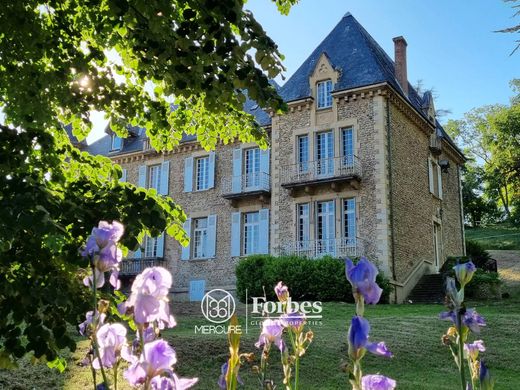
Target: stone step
429, 289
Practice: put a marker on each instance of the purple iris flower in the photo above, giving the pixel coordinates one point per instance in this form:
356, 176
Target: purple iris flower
222, 384
172, 383
149, 297
474, 348
84, 327
377, 382
272, 331
157, 358
294, 319
358, 340
282, 292
111, 339
486, 383
362, 277
464, 272
471, 319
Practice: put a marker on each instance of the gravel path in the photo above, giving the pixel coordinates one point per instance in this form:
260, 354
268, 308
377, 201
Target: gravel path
508, 266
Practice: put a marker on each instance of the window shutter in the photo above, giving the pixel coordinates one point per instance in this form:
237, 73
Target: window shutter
263, 245
123, 176
197, 288
439, 181
137, 254
430, 175
188, 174
264, 161
160, 246
235, 234
211, 176
141, 182
185, 254
165, 177
211, 242
237, 171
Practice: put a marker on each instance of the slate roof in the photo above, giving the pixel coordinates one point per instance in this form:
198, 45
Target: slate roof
352, 51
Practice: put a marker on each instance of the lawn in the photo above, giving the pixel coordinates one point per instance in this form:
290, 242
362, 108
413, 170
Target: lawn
412, 332
502, 236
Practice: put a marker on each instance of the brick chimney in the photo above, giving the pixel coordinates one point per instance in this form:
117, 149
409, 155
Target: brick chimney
400, 62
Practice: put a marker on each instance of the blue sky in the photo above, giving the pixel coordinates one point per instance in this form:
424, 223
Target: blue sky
451, 43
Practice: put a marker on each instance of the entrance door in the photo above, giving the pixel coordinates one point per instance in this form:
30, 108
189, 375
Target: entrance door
325, 153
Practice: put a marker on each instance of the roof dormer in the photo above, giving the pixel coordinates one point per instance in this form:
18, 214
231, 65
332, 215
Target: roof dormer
322, 81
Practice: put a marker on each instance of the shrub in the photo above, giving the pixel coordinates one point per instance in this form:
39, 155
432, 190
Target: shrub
484, 285
323, 279
477, 253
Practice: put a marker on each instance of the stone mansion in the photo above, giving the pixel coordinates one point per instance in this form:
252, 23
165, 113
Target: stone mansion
358, 165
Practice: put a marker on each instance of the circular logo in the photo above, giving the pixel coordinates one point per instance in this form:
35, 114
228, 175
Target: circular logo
218, 306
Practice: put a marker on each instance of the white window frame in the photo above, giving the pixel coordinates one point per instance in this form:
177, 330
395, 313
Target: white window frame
347, 145
150, 246
116, 145
251, 227
303, 152
435, 178
154, 177
200, 238
349, 218
324, 94
251, 168
201, 173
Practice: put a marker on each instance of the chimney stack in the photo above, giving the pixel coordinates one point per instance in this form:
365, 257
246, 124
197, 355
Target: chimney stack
400, 62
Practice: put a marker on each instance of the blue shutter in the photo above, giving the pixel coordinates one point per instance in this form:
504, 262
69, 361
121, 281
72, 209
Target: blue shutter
160, 246
137, 254
263, 245
197, 288
165, 176
211, 179
185, 254
236, 185
123, 176
141, 182
188, 174
430, 175
212, 236
264, 161
235, 234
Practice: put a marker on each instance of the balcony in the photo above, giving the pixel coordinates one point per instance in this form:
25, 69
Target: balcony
435, 144
257, 184
336, 247
132, 267
330, 170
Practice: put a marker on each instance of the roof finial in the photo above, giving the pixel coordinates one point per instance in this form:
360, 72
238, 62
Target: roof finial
347, 14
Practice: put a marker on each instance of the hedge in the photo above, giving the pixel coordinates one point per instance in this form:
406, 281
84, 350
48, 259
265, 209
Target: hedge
308, 279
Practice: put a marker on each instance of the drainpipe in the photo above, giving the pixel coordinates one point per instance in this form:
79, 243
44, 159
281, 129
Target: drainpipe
391, 216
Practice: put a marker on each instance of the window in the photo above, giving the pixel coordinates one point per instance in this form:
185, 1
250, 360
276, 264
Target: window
117, 142
325, 153
324, 90
251, 233
202, 173
150, 247
347, 146
252, 167
200, 238
435, 178
325, 227
303, 153
349, 219
154, 177
303, 227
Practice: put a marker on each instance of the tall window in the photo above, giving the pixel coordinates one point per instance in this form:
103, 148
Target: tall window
251, 232
349, 218
200, 238
252, 167
435, 177
325, 152
202, 173
347, 146
303, 222
303, 153
154, 176
117, 142
150, 247
324, 92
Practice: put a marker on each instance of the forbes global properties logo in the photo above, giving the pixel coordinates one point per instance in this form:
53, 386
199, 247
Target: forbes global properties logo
217, 306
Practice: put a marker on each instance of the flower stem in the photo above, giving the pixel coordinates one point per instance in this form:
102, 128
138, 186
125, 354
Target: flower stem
461, 351
357, 375
95, 323
296, 360
115, 375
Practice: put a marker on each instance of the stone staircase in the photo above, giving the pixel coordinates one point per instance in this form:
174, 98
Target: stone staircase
429, 289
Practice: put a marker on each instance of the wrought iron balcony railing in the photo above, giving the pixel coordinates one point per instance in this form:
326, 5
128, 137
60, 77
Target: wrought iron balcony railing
251, 183
336, 247
130, 267
324, 170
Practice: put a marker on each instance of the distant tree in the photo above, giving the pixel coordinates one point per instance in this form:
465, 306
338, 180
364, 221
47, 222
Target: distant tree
421, 89
513, 29
478, 207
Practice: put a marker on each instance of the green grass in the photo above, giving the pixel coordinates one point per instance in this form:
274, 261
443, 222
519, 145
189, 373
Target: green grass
412, 332
502, 236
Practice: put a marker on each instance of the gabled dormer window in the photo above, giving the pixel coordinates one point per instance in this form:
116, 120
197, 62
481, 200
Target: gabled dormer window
324, 94
117, 142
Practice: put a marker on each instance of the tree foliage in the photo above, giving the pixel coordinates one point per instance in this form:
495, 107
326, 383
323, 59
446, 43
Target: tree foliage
60, 60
